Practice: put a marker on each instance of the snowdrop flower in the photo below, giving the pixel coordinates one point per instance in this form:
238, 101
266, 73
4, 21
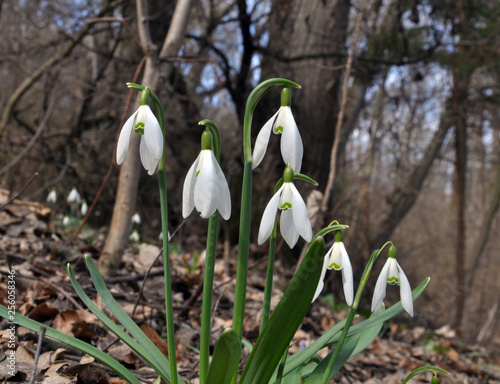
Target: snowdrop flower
52, 196
144, 122
392, 274
205, 187
282, 123
84, 208
134, 236
136, 219
294, 219
73, 196
65, 221
337, 258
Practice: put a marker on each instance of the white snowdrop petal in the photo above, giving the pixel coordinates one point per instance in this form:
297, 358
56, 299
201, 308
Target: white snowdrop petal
262, 141
321, 282
225, 196
124, 139
148, 161
380, 289
335, 261
347, 276
287, 228
206, 193
153, 134
188, 190
405, 291
268, 218
300, 215
292, 148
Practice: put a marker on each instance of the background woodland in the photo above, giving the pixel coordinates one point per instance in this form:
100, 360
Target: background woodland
398, 111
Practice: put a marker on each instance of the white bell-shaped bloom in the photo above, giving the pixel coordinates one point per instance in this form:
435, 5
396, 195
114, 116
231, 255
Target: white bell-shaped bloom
136, 219
294, 219
205, 188
338, 259
143, 121
84, 208
52, 196
73, 196
292, 150
134, 236
392, 274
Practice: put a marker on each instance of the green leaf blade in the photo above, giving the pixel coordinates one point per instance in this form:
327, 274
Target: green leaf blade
286, 318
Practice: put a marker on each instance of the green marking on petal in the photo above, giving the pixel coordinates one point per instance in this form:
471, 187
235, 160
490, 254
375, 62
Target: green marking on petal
139, 128
334, 266
197, 173
393, 280
286, 206
278, 130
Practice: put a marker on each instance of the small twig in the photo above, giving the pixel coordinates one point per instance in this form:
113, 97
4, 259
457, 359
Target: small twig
33, 140
123, 22
37, 354
35, 175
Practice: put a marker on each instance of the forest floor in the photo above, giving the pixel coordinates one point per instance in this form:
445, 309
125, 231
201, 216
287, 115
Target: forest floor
38, 254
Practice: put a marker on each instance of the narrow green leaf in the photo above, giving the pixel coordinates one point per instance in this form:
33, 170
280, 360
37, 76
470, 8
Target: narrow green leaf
352, 346
71, 342
286, 318
226, 358
333, 334
122, 316
346, 352
160, 367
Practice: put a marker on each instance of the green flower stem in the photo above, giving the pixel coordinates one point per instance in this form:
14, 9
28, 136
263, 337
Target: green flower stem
425, 368
168, 276
243, 250
266, 305
208, 284
169, 309
352, 312
246, 201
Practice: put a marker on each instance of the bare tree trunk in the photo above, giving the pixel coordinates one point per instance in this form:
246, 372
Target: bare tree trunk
461, 85
406, 198
128, 183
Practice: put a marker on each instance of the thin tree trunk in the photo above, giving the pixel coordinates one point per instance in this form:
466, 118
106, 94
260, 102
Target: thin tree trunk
128, 182
459, 96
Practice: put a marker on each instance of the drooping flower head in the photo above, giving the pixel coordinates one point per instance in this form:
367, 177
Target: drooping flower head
143, 122
136, 219
52, 196
73, 196
282, 123
84, 208
338, 259
205, 187
294, 219
392, 274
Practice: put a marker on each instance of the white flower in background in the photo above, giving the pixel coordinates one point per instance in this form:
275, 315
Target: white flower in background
205, 188
52, 196
392, 274
136, 219
338, 259
134, 236
282, 123
144, 122
294, 220
160, 236
73, 196
84, 208
65, 221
